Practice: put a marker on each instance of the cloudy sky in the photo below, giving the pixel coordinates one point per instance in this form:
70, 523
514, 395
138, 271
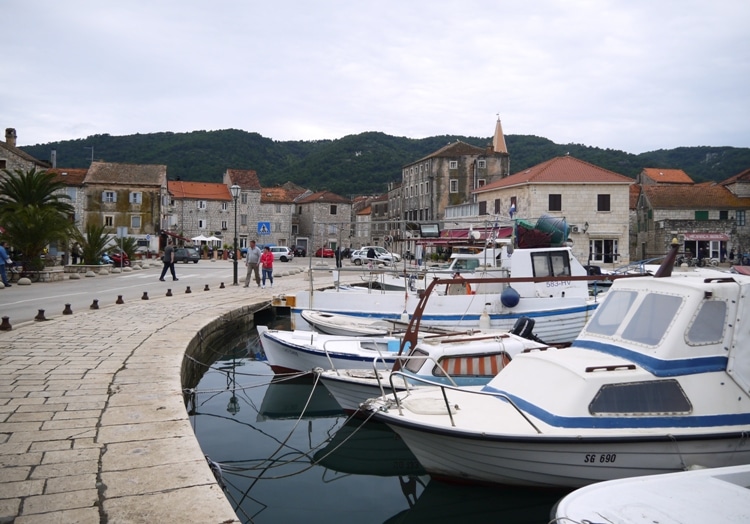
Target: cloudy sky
635, 75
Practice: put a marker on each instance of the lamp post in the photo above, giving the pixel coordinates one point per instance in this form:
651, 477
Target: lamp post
235, 189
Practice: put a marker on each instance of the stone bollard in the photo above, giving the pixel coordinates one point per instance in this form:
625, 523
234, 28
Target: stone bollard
221, 286
94, 304
40, 316
206, 288
5, 326
145, 295
67, 310
188, 290
119, 300
169, 292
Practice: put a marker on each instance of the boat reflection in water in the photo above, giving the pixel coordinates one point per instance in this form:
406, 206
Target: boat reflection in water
286, 453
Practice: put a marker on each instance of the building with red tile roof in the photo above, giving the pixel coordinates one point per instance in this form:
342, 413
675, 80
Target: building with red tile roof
654, 175
594, 201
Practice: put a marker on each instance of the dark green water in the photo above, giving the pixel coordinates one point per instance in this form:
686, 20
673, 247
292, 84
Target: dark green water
289, 455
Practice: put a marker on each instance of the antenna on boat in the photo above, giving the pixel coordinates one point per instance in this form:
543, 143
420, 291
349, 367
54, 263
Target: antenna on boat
665, 269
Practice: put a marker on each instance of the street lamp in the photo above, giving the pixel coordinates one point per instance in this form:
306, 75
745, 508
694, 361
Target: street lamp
235, 189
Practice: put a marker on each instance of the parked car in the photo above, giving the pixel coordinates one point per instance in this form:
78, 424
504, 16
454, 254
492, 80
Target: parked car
324, 252
187, 254
282, 253
381, 254
299, 251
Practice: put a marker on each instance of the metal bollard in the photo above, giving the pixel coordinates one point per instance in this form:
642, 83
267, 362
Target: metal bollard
119, 300
5, 326
94, 304
206, 288
222, 286
67, 310
40, 316
169, 292
145, 295
188, 290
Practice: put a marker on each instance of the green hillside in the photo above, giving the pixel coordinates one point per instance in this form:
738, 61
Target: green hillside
357, 164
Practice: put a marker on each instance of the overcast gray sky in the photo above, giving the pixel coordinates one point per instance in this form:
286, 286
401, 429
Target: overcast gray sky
635, 75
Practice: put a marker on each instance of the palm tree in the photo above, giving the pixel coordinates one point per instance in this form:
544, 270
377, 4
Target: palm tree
94, 242
34, 212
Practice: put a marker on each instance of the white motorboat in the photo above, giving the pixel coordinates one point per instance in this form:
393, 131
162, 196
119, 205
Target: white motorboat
463, 359
348, 325
689, 497
657, 382
547, 285
295, 351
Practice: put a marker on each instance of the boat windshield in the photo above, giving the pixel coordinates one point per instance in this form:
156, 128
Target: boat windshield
465, 264
646, 325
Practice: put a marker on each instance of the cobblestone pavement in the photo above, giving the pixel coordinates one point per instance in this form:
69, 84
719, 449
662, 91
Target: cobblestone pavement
93, 426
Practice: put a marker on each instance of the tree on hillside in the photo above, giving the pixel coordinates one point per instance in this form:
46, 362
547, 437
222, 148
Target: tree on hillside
34, 213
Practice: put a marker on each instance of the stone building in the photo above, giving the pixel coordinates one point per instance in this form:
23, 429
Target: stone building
248, 203
279, 210
201, 208
449, 176
12, 158
73, 179
593, 201
324, 219
132, 196
709, 219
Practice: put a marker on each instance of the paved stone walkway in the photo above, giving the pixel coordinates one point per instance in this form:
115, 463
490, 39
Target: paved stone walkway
93, 427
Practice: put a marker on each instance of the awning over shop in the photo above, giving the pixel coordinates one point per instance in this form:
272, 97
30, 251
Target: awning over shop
175, 235
455, 236
707, 236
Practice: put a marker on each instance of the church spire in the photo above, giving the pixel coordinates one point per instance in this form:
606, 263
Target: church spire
498, 142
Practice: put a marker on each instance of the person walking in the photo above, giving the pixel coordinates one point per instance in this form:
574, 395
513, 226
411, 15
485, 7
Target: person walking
337, 254
168, 260
4, 259
266, 262
252, 261
75, 252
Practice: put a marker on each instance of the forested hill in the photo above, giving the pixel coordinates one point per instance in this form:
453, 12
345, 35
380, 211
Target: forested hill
357, 164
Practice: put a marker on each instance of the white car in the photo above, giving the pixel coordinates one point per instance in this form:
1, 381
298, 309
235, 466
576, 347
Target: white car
381, 254
282, 253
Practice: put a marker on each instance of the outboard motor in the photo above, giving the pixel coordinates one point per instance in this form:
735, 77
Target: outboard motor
524, 328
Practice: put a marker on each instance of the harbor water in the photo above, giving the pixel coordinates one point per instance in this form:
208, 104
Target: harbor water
286, 453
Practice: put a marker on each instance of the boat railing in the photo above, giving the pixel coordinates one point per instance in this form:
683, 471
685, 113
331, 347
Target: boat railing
454, 387
381, 354
407, 376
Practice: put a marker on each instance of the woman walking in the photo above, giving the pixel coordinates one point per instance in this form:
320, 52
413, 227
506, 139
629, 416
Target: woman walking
266, 262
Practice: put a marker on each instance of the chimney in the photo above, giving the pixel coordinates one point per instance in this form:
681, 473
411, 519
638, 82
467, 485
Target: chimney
53, 158
10, 137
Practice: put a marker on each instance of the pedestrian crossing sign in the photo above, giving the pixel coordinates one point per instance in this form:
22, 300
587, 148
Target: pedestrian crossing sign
264, 228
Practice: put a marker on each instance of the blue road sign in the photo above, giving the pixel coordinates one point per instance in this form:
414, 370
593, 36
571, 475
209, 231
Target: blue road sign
264, 228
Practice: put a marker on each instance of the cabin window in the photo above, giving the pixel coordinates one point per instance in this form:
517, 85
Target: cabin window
414, 364
652, 319
638, 398
610, 313
466, 265
708, 325
551, 264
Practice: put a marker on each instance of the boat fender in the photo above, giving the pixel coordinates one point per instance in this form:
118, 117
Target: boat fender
510, 297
